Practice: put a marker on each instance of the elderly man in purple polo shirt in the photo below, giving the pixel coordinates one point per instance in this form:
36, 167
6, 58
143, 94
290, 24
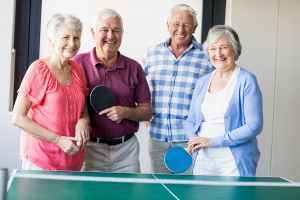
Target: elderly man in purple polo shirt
113, 147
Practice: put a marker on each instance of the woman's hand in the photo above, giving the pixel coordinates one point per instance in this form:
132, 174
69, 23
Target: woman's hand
82, 132
197, 143
67, 145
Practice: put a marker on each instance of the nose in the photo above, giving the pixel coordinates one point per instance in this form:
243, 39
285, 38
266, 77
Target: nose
218, 51
110, 34
71, 42
180, 28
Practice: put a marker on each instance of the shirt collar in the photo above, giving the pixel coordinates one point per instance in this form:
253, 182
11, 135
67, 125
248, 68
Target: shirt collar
98, 63
194, 44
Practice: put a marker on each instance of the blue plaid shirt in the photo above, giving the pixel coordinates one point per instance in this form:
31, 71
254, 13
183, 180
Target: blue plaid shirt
172, 81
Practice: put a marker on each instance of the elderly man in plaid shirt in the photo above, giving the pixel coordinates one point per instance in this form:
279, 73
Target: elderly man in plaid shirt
172, 69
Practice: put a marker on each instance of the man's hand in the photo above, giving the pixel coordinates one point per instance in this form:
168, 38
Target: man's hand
116, 113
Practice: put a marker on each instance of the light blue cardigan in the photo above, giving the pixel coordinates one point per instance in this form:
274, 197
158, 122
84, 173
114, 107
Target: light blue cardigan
243, 120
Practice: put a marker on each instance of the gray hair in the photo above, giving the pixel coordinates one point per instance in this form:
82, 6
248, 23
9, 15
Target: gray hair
184, 7
229, 33
59, 21
105, 14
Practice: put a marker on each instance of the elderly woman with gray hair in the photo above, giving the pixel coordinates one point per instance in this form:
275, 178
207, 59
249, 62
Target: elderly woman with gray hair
226, 112
50, 107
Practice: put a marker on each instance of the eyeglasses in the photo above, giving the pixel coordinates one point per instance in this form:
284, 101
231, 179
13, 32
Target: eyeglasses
221, 48
183, 25
106, 30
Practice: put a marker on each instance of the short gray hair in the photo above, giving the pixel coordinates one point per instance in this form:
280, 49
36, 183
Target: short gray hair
229, 33
184, 7
59, 21
106, 13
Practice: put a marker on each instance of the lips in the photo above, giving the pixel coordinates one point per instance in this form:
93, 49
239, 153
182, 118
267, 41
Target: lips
69, 52
110, 43
220, 61
220, 58
73, 51
180, 36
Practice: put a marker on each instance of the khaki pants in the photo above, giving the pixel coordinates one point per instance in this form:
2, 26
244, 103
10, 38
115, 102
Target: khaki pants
122, 158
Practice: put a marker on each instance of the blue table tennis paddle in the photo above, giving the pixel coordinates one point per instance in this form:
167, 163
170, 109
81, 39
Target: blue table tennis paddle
101, 97
177, 159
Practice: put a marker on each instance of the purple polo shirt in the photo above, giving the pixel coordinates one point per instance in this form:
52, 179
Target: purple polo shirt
127, 81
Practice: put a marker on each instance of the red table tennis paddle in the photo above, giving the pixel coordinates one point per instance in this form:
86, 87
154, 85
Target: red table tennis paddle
177, 159
101, 97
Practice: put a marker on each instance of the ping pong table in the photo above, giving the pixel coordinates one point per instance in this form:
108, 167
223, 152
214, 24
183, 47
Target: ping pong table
41, 185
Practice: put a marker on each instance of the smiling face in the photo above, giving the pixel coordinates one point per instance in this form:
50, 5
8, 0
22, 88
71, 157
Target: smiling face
181, 28
108, 36
67, 43
222, 54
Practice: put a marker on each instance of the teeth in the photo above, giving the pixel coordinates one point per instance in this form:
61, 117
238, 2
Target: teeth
220, 59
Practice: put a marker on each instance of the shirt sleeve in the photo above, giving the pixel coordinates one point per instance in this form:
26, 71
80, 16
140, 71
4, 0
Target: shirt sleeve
191, 124
34, 83
142, 91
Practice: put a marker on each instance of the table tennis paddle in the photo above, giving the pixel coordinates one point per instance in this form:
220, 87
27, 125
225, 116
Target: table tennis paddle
177, 159
101, 97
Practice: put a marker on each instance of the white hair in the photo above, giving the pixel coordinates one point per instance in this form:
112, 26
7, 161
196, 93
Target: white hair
59, 21
184, 7
105, 14
218, 31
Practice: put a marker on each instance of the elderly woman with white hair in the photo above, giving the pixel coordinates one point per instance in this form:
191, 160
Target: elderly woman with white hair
50, 107
226, 112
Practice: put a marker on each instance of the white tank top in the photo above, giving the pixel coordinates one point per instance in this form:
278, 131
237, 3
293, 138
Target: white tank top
214, 108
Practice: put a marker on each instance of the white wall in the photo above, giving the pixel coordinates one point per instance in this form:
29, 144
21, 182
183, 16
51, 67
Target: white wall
9, 135
269, 34
286, 148
144, 21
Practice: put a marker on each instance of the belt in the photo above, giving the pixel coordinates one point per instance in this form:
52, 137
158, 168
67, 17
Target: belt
113, 141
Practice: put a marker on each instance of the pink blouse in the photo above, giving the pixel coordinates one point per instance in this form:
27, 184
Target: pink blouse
56, 107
